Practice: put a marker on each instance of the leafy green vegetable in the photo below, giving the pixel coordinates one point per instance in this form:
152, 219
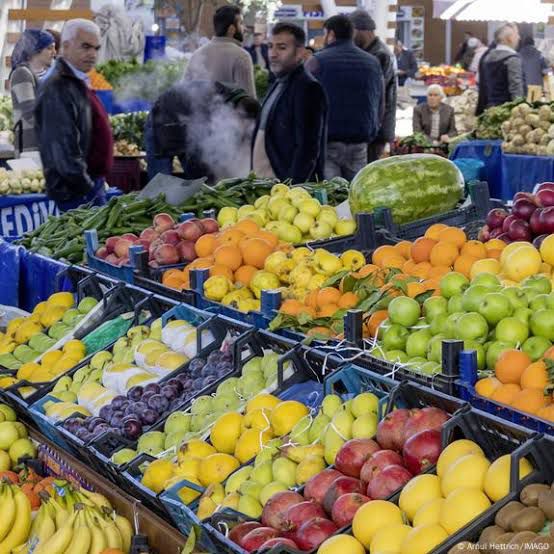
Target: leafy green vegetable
129, 127
261, 79
489, 123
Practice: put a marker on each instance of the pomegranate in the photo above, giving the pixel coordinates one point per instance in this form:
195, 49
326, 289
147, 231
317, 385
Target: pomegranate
110, 244
346, 506
210, 225
112, 259
495, 233
163, 222
547, 220
240, 530
505, 237
166, 254
278, 541
520, 230
353, 454
170, 237
388, 481
341, 485
523, 208
312, 533
421, 420
390, 434
485, 233
186, 251
496, 217
534, 222
144, 243
130, 236
297, 514
546, 197
422, 450
275, 510
121, 249
190, 230
255, 538
149, 234
102, 252
379, 461
507, 222
317, 486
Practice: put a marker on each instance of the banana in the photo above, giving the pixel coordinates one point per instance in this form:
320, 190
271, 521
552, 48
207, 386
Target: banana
98, 542
98, 500
112, 534
60, 540
126, 532
7, 509
23, 549
45, 529
19, 531
80, 543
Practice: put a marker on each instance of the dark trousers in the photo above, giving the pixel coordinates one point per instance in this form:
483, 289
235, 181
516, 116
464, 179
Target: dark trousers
96, 197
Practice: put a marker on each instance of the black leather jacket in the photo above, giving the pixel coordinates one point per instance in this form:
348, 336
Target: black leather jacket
63, 120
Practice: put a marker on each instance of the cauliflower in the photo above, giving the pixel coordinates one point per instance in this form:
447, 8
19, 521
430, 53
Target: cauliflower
550, 148
545, 139
532, 119
542, 151
544, 113
518, 140
517, 122
524, 130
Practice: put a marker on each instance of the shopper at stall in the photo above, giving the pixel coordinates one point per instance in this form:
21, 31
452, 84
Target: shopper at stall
406, 63
291, 133
534, 64
259, 51
223, 58
185, 122
32, 56
366, 39
75, 137
353, 82
501, 72
465, 52
479, 50
435, 119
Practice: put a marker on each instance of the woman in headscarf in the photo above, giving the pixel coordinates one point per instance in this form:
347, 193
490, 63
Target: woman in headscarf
31, 57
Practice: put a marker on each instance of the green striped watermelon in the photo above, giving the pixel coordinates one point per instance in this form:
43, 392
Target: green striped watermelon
413, 186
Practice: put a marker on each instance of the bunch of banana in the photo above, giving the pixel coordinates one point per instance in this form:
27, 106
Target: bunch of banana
15, 522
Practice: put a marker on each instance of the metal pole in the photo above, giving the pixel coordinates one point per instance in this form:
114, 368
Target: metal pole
448, 42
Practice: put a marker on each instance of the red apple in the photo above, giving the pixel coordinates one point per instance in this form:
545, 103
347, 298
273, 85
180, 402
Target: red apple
275, 510
130, 236
166, 254
545, 186
525, 196
317, 486
507, 222
547, 220
353, 454
186, 251
242, 529
520, 230
312, 533
379, 461
523, 208
255, 538
538, 241
495, 233
102, 252
144, 243
112, 259
496, 217
504, 237
341, 485
388, 481
390, 434
422, 450
149, 234
346, 506
534, 222
421, 420
297, 514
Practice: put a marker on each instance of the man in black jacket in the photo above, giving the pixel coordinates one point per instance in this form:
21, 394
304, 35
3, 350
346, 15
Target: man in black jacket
289, 140
366, 39
75, 137
259, 51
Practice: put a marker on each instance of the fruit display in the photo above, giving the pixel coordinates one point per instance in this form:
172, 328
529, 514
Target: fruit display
27, 338
290, 213
98, 81
126, 149
413, 187
166, 242
418, 143
520, 524
529, 130
6, 113
531, 218
21, 182
129, 127
489, 123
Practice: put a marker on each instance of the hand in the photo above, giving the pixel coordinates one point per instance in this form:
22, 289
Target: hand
445, 139
401, 72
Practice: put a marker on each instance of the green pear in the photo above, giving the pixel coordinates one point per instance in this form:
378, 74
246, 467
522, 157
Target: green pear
365, 426
342, 422
250, 506
252, 488
333, 443
364, 403
318, 427
270, 489
311, 465
300, 433
263, 472
331, 403
284, 470
236, 479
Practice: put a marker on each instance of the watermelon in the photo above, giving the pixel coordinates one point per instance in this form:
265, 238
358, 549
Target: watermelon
413, 186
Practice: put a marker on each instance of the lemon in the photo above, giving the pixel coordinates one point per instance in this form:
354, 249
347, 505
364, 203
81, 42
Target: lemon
157, 474
26, 370
286, 415
64, 299
216, 468
262, 400
75, 345
226, 432
51, 358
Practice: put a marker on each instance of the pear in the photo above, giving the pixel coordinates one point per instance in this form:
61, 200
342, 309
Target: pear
284, 470
342, 423
250, 506
231, 501
318, 427
331, 403
263, 472
216, 492
270, 489
308, 467
236, 479
333, 443
206, 507
365, 426
300, 433
251, 488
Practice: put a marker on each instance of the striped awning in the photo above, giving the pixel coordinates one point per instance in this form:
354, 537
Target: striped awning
517, 11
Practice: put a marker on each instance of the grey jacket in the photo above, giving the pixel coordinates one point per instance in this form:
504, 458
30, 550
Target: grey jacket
498, 85
422, 120
23, 88
534, 65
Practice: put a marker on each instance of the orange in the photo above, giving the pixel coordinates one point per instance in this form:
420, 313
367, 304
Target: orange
255, 251
510, 365
245, 273
535, 376
421, 249
205, 245
366, 270
421, 270
453, 235
218, 269
348, 300
464, 263
307, 310
328, 310
393, 260
201, 263
311, 298
438, 271
247, 226
474, 248
111, 551
328, 295
495, 244
291, 306
229, 256
494, 254
408, 267
530, 401
170, 272
414, 289
444, 254
231, 236
403, 248
505, 394
174, 281
272, 238
376, 318
434, 230
486, 387
381, 253
432, 284
546, 412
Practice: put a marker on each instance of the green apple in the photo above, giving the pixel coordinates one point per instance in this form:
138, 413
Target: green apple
275, 205
328, 216
495, 306
287, 213
227, 216
480, 349
260, 217
472, 326
434, 306
517, 297
455, 304
538, 282
523, 314
397, 356
414, 364
451, 325
280, 189
473, 297
262, 202
539, 302
345, 227
395, 337
530, 293
535, 347
404, 311
494, 350
310, 206
245, 211
453, 283
289, 233
511, 329
434, 349
321, 230
304, 222
488, 280
417, 342
438, 324
431, 368
550, 301
542, 324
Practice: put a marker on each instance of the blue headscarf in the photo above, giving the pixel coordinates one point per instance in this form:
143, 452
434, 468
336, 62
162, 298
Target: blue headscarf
31, 42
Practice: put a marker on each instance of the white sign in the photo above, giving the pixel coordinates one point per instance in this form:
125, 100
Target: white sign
21, 218
289, 11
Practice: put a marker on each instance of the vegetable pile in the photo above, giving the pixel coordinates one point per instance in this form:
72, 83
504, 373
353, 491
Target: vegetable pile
129, 127
21, 182
417, 143
464, 109
489, 123
6, 113
529, 130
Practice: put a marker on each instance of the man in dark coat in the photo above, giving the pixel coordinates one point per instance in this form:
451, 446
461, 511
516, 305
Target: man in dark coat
353, 82
406, 62
259, 51
366, 39
290, 137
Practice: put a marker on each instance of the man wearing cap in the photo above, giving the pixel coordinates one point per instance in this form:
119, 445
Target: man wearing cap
366, 39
